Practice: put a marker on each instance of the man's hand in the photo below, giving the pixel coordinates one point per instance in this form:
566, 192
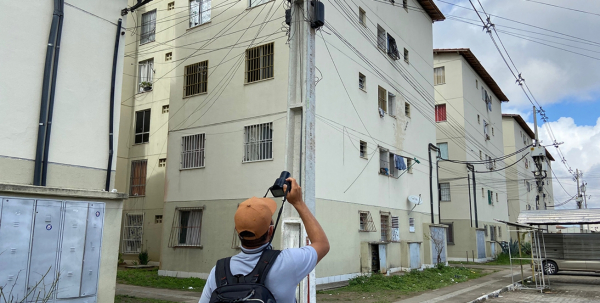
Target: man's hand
295, 195
313, 229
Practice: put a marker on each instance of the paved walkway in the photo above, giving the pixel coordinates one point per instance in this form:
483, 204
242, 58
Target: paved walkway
158, 293
564, 288
466, 291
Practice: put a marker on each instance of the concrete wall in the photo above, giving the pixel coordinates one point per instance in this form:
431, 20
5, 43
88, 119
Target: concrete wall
465, 137
78, 151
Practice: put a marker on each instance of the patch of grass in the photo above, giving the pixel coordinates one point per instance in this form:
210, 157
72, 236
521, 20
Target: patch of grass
501, 259
131, 299
150, 278
380, 288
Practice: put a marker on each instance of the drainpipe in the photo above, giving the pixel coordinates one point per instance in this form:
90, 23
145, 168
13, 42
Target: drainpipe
48, 85
472, 168
112, 106
52, 93
435, 148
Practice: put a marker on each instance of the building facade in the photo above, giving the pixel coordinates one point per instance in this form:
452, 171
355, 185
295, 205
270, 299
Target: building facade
59, 212
227, 133
469, 132
142, 150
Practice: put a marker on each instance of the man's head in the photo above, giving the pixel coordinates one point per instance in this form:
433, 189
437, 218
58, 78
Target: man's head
254, 221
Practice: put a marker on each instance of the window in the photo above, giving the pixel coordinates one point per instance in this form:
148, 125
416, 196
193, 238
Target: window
199, 12
482, 193
497, 198
145, 72
500, 231
162, 162
158, 219
450, 233
489, 162
409, 163
480, 155
406, 55
384, 162
169, 56
192, 151
259, 63
528, 186
392, 49
490, 195
392, 164
485, 130
254, 3
411, 225
385, 227
443, 150
165, 109
258, 142
485, 232
492, 233
137, 185
440, 113
148, 27
405, 4
196, 79
407, 109
492, 131
391, 104
381, 41
478, 119
133, 229
445, 192
362, 17
363, 149
382, 99
476, 84
395, 235
439, 75
142, 126
171, 6
186, 229
362, 82
366, 222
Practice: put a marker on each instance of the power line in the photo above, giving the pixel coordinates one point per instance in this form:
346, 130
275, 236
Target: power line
563, 7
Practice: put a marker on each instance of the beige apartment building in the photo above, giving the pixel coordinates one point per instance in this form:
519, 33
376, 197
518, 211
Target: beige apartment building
520, 182
59, 212
141, 158
469, 130
221, 69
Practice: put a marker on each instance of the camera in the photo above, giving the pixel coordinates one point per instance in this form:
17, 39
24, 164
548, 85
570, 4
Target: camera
277, 188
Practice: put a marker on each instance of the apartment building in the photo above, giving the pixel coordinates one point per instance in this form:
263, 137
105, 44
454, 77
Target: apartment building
147, 75
59, 213
469, 130
227, 130
520, 182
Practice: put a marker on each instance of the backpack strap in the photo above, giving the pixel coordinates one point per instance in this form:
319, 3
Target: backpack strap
260, 271
223, 274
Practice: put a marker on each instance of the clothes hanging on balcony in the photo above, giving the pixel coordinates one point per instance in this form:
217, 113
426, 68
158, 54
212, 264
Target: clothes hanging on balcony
399, 162
381, 112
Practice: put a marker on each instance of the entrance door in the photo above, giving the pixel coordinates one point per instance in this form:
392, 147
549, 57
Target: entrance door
493, 248
438, 244
415, 255
480, 244
382, 260
374, 258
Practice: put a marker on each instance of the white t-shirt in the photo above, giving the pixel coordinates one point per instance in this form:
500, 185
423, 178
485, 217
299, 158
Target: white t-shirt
291, 266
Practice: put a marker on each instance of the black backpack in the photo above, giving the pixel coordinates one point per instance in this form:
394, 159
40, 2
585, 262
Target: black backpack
241, 288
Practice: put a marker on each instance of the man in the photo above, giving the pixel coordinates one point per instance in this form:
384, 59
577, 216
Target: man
254, 224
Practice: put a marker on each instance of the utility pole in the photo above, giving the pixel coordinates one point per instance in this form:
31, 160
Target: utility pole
300, 144
539, 158
579, 200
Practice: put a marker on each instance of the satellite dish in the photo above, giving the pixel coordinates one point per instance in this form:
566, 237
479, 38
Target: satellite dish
414, 199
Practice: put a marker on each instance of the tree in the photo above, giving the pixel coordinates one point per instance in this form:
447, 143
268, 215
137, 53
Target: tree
436, 235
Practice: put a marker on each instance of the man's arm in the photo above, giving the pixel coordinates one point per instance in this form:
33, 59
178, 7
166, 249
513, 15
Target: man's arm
314, 230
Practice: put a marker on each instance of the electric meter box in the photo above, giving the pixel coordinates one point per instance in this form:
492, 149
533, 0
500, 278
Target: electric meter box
50, 249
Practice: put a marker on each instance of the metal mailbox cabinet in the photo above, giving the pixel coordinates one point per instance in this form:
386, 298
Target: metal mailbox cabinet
46, 243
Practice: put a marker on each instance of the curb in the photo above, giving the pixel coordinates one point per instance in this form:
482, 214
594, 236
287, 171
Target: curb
495, 294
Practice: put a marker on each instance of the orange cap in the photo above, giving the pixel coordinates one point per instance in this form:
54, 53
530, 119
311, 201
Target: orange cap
255, 215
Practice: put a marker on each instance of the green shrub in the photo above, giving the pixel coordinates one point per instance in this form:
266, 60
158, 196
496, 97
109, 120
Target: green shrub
143, 257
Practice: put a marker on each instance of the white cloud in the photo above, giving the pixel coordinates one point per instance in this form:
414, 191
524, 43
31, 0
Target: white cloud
581, 148
553, 75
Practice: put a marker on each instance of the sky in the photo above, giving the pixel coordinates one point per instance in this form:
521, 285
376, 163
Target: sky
565, 84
